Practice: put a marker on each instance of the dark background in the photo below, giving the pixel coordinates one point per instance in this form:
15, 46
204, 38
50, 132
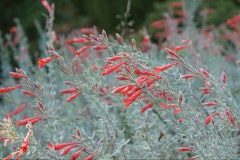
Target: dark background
102, 13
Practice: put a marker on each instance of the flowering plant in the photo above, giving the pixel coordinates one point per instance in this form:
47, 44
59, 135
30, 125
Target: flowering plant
95, 96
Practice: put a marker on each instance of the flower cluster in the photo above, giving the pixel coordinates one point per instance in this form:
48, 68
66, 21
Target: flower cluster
121, 96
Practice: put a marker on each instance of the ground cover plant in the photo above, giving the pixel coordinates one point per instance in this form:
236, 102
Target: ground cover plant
90, 95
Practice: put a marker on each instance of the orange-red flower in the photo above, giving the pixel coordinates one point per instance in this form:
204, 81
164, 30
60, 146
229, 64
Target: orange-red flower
99, 47
230, 117
76, 154
87, 30
112, 68
61, 145
119, 38
23, 148
210, 118
47, 6
81, 50
43, 61
90, 157
224, 77
72, 97
185, 149
28, 93
213, 103
77, 40
206, 90
205, 73
172, 53
68, 91
32, 120
17, 75
163, 68
17, 110
179, 48
146, 107
188, 76
9, 89
67, 150
128, 101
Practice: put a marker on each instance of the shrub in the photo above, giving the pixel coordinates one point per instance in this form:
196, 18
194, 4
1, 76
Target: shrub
91, 95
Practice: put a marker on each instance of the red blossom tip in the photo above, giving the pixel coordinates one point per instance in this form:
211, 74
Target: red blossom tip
146, 107
172, 53
185, 149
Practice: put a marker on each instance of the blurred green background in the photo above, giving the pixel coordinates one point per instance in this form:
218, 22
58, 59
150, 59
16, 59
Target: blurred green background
103, 13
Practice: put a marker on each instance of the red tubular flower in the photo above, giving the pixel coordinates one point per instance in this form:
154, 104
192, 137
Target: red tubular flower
211, 104
179, 48
69, 83
84, 48
194, 158
176, 4
43, 61
77, 40
185, 149
172, 53
98, 47
176, 110
122, 78
62, 145
9, 89
13, 29
119, 38
17, 75
119, 89
146, 40
224, 77
46, 5
188, 76
87, 30
75, 155
134, 45
68, 91
206, 91
95, 38
67, 150
28, 93
146, 107
112, 68
129, 89
150, 82
205, 73
230, 117
131, 99
72, 97
24, 146
163, 68
115, 58
210, 118
180, 98
17, 110
89, 157
146, 73
32, 120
